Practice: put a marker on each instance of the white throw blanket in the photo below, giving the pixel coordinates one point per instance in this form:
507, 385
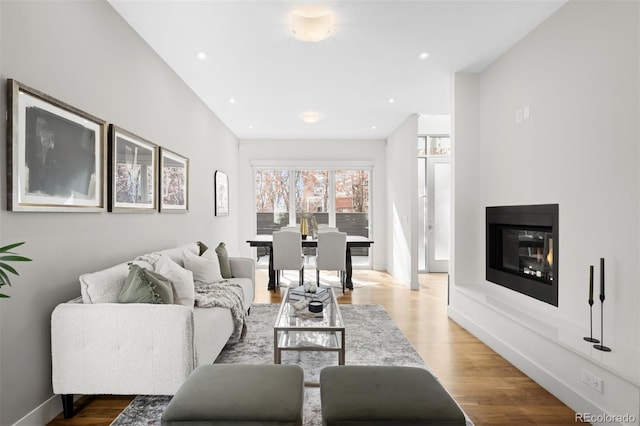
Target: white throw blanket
225, 295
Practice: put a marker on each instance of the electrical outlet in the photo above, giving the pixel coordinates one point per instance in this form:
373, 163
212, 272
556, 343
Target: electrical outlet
591, 380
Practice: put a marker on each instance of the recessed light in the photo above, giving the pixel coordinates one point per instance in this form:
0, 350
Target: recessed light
372, 127
250, 126
201, 55
424, 55
391, 100
232, 100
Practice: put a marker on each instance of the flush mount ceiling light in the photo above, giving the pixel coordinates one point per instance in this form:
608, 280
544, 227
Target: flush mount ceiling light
310, 116
311, 26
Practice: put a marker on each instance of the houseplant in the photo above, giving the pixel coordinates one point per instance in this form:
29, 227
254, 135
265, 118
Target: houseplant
8, 256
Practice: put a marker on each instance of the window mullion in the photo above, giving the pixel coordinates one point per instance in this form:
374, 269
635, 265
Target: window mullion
332, 199
292, 197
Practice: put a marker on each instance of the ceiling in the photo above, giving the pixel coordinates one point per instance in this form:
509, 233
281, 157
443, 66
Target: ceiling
258, 79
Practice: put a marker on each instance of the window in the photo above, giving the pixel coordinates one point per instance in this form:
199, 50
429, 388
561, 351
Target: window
272, 200
336, 197
312, 194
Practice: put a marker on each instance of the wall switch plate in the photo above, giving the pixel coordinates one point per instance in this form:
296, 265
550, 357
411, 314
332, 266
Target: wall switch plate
519, 115
526, 112
591, 380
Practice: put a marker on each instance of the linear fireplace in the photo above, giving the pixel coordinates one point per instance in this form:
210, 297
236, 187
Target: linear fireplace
522, 249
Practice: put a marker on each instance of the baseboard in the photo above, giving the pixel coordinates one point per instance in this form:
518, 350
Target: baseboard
561, 390
43, 413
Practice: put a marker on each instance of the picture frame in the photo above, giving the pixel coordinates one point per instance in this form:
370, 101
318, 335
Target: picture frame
174, 182
133, 172
221, 194
55, 154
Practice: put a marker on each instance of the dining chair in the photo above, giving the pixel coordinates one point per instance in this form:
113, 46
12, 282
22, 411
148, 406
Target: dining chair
331, 254
290, 228
328, 229
287, 253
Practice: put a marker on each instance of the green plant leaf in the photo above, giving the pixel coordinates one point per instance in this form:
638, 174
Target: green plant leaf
3, 295
4, 279
10, 246
15, 258
8, 268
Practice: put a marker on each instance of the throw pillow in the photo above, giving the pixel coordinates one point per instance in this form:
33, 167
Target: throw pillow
182, 280
202, 248
223, 258
205, 268
144, 286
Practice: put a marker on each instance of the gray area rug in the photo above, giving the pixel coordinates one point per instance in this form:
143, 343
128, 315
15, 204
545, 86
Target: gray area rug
372, 338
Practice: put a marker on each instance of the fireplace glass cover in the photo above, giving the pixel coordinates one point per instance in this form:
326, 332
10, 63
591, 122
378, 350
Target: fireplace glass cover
528, 252
522, 249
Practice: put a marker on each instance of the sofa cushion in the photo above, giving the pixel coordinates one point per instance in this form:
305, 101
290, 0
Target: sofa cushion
177, 253
104, 286
205, 268
202, 247
181, 280
223, 258
145, 286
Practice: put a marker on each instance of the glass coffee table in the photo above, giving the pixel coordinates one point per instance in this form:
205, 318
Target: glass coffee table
324, 332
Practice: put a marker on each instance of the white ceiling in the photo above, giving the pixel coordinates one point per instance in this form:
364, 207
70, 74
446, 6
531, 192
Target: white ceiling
371, 57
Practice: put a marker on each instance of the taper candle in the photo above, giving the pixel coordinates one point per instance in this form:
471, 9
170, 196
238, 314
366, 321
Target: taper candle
602, 279
591, 284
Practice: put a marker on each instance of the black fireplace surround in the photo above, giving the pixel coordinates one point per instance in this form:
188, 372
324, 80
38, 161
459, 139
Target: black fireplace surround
522, 249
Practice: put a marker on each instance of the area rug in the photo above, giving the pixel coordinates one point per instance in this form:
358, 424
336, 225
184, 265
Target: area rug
372, 338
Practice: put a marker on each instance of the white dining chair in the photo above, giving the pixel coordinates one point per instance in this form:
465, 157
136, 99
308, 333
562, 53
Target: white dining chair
287, 253
331, 254
290, 228
327, 229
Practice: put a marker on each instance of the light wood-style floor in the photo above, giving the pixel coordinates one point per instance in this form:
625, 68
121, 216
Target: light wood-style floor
489, 389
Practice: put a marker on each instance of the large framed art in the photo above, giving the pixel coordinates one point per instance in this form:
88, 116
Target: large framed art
222, 193
133, 171
55, 154
174, 182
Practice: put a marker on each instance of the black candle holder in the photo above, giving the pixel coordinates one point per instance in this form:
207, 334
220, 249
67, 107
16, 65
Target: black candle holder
590, 338
601, 346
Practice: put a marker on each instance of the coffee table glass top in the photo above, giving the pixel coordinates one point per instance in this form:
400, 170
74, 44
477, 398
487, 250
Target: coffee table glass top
311, 332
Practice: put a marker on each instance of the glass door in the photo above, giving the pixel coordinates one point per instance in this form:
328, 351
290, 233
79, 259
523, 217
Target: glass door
433, 203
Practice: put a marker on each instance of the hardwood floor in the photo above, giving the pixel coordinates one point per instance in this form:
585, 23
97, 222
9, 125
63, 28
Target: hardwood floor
489, 389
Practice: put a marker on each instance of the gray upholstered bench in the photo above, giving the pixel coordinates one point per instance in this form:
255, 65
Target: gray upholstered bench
239, 395
385, 395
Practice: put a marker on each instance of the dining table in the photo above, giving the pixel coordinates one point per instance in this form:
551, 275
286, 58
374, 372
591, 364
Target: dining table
266, 241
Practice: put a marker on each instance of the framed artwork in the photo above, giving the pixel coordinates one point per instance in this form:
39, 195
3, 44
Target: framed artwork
55, 154
174, 182
133, 170
222, 193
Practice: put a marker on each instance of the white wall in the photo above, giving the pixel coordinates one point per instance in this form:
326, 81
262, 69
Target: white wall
318, 153
578, 73
402, 206
434, 124
84, 54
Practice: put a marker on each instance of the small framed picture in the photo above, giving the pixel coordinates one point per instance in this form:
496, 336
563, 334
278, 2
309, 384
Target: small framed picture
174, 182
221, 193
55, 154
133, 171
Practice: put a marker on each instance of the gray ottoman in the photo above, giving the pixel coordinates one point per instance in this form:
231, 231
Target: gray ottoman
384, 395
238, 395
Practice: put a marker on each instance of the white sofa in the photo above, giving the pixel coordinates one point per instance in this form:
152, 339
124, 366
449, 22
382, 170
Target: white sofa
100, 346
